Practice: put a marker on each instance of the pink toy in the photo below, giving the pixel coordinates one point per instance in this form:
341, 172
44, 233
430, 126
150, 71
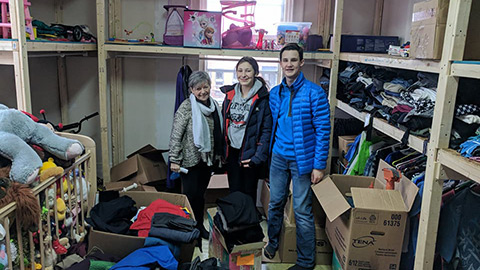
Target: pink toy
5, 24
261, 33
243, 12
175, 22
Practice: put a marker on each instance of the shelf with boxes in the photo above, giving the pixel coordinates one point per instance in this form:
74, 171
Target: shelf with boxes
165, 49
415, 142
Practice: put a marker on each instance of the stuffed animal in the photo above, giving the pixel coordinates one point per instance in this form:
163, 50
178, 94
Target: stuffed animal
16, 131
49, 169
27, 204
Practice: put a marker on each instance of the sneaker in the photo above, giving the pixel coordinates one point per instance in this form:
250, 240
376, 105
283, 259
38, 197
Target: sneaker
298, 267
269, 252
59, 249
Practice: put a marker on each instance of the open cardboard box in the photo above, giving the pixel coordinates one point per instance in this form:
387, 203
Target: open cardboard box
122, 245
145, 165
370, 234
242, 257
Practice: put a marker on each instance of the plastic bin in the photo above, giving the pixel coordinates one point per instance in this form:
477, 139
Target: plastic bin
292, 32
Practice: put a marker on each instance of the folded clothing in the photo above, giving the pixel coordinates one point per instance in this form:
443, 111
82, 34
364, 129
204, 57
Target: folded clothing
238, 209
144, 219
113, 216
174, 222
174, 235
147, 258
249, 234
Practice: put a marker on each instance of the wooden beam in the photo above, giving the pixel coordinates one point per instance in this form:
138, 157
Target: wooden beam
392, 61
116, 98
332, 93
58, 4
377, 23
20, 59
6, 58
466, 69
102, 88
324, 19
453, 48
63, 88
114, 18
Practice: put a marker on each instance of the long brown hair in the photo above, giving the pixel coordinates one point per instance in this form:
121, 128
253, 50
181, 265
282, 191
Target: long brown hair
254, 65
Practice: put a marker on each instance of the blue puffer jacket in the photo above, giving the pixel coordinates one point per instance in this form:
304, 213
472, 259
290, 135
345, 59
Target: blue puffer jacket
259, 126
311, 123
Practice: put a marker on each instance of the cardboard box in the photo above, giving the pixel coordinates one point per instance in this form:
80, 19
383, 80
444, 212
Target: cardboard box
217, 188
318, 213
343, 146
143, 166
428, 30
123, 184
288, 245
242, 257
370, 234
122, 245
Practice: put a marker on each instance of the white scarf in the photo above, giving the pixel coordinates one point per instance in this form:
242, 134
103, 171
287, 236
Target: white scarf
201, 132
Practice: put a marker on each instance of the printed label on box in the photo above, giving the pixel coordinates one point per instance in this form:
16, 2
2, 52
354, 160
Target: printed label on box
366, 218
292, 36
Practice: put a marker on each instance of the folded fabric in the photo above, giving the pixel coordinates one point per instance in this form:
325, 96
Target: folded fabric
238, 209
221, 223
113, 216
174, 235
144, 219
464, 109
393, 87
147, 258
154, 241
100, 265
467, 148
171, 221
470, 119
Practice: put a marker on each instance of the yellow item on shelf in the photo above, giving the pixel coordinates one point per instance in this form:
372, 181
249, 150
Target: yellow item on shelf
49, 169
61, 209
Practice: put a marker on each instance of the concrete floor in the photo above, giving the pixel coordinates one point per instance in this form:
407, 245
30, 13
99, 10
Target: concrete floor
265, 266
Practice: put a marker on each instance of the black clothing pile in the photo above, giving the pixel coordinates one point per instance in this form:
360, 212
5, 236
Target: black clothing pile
237, 220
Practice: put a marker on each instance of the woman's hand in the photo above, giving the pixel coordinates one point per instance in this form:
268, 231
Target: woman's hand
245, 163
174, 167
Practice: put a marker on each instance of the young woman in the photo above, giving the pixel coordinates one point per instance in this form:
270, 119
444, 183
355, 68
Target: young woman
248, 126
196, 142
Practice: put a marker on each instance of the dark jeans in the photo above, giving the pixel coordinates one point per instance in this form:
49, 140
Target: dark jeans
281, 170
194, 185
241, 178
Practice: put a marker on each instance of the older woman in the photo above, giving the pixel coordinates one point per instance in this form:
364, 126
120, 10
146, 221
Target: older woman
196, 142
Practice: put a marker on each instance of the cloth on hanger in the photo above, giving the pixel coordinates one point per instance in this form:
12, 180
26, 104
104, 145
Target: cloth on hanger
459, 230
113, 216
147, 258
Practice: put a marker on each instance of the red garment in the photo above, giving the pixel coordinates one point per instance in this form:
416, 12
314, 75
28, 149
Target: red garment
144, 219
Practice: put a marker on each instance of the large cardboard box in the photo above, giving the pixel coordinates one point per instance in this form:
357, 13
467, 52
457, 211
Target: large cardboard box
288, 245
242, 257
124, 184
343, 146
217, 188
318, 213
122, 245
428, 30
143, 166
368, 235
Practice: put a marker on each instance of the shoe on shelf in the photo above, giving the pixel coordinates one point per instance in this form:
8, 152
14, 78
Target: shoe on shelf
298, 267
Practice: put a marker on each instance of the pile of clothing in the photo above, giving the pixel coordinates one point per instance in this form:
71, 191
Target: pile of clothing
238, 220
404, 98
166, 227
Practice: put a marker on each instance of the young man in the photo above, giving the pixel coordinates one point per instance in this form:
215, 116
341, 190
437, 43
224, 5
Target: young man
299, 151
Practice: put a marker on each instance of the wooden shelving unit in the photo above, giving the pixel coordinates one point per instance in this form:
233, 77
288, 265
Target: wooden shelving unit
383, 126
450, 66
15, 52
161, 49
384, 60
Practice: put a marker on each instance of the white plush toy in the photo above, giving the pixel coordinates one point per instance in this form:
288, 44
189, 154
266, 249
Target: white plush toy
16, 131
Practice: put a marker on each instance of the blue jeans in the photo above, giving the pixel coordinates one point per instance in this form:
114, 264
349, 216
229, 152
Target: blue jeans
281, 170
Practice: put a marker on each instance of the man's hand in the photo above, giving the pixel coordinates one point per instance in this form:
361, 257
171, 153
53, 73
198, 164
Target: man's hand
174, 167
317, 176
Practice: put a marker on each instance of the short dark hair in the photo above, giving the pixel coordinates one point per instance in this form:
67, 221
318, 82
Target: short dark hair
292, 47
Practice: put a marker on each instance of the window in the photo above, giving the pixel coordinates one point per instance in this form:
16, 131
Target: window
222, 71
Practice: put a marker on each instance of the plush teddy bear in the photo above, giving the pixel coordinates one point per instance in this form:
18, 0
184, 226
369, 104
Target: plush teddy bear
16, 131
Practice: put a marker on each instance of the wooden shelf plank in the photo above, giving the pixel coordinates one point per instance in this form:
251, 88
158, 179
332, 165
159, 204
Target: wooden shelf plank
384, 127
205, 51
464, 166
385, 60
6, 45
468, 69
6, 58
51, 46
